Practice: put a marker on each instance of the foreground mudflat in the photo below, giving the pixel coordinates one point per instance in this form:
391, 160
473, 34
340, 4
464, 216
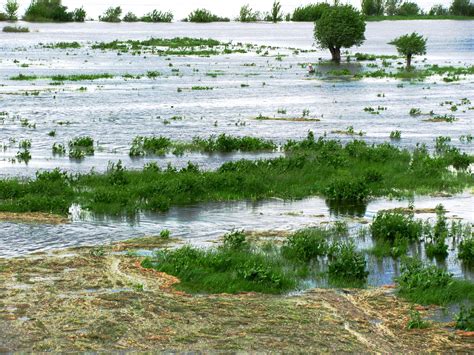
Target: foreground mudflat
101, 299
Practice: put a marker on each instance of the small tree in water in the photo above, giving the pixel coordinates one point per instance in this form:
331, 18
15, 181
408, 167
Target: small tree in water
276, 14
410, 45
340, 26
11, 8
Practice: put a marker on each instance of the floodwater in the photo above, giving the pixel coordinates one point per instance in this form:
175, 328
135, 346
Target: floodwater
114, 111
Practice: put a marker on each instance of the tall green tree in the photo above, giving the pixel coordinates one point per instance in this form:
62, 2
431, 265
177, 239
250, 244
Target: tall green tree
392, 6
410, 45
11, 8
340, 26
276, 14
372, 7
462, 8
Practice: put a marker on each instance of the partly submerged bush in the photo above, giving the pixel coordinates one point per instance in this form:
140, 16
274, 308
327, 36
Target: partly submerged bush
248, 15
428, 284
389, 226
157, 16
306, 244
346, 264
130, 17
15, 29
205, 16
465, 319
112, 14
226, 270
52, 11
466, 250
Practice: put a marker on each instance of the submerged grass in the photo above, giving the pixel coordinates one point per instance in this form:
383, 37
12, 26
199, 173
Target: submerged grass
239, 266
347, 173
429, 284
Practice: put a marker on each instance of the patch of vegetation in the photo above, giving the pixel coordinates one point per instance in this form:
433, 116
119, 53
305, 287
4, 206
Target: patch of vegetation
246, 14
156, 16
410, 45
465, 319
223, 143
15, 29
63, 45
428, 284
52, 11
415, 321
395, 135
346, 265
112, 14
466, 250
349, 173
205, 16
80, 147
309, 13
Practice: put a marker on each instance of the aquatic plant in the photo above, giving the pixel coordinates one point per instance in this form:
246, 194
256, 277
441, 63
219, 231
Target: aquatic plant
224, 269
428, 284
80, 147
466, 250
275, 14
306, 244
58, 149
346, 264
130, 17
465, 319
395, 135
63, 45
436, 246
389, 226
310, 167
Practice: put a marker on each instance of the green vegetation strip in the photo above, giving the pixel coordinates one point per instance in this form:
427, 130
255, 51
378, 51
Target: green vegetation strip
351, 173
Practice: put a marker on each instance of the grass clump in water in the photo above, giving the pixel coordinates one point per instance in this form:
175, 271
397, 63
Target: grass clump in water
205, 16
80, 147
309, 167
346, 265
231, 268
466, 250
428, 284
63, 45
465, 319
15, 29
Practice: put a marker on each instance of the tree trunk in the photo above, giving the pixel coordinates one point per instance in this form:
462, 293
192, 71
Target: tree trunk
336, 54
408, 61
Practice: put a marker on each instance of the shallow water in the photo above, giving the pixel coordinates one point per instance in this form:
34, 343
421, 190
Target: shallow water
114, 111
201, 224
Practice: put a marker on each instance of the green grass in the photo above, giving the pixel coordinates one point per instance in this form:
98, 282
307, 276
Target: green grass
59, 78
350, 173
239, 266
428, 284
223, 143
15, 29
63, 45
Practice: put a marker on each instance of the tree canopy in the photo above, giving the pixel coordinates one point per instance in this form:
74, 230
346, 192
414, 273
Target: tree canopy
410, 45
340, 26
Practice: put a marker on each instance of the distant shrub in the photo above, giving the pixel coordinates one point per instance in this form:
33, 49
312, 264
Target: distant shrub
408, 9
112, 14
438, 10
52, 11
205, 16
372, 7
157, 16
130, 17
11, 8
248, 15
309, 13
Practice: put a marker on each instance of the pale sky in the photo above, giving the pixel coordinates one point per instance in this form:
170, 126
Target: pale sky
181, 8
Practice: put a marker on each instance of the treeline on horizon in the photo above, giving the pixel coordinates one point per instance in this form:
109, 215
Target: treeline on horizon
55, 11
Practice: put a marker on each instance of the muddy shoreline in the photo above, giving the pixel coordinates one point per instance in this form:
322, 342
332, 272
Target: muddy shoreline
99, 299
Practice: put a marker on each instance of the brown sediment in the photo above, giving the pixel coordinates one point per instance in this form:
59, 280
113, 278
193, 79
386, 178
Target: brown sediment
82, 302
33, 217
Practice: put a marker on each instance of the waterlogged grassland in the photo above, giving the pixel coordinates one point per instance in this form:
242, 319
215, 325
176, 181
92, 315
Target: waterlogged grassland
350, 173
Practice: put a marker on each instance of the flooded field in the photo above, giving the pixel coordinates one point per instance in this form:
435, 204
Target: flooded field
139, 164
